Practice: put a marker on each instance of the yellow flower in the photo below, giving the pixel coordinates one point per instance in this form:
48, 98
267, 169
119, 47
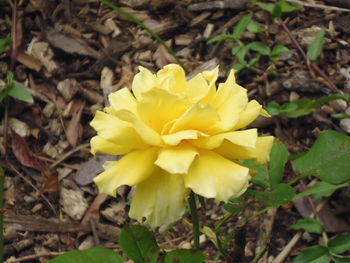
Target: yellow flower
177, 136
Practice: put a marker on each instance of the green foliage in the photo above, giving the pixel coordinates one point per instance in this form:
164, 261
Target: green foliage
315, 47
321, 189
240, 50
301, 107
277, 9
339, 243
139, 244
328, 158
91, 255
184, 256
314, 254
14, 90
309, 224
4, 42
278, 159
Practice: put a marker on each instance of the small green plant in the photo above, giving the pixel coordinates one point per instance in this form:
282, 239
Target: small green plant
14, 90
277, 9
301, 107
314, 49
254, 50
4, 42
332, 249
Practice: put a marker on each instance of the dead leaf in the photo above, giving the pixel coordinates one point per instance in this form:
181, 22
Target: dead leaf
74, 127
42, 51
70, 45
28, 61
27, 158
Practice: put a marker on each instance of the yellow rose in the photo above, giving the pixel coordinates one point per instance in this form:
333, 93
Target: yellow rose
177, 136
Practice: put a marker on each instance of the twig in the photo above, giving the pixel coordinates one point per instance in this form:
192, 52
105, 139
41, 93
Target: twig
319, 6
313, 66
30, 257
286, 250
66, 155
94, 232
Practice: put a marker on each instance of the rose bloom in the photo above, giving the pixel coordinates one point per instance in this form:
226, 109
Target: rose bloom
177, 136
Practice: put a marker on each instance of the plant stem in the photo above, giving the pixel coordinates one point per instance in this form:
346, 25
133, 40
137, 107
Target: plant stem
195, 221
2, 178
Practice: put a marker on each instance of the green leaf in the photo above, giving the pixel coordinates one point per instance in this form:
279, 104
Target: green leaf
222, 37
235, 50
322, 189
287, 7
20, 92
278, 159
280, 195
254, 60
315, 47
241, 25
91, 255
276, 51
254, 27
261, 177
328, 159
314, 254
210, 234
259, 47
276, 11
139, 244
301, 107
3, 43
339, 243
240, 55
238, 67
268, 7
341, 259
184, 256
309, 224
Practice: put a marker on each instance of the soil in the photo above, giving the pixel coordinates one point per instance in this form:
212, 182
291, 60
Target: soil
71, 54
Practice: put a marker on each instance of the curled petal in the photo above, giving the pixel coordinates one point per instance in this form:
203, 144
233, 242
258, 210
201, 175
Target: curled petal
147, 134
116, 131
172, 78
197, 88
245, 138
177, 137
177, 159
263, 149
132, 169
161, 199
200, 117
249, 114
213, 176
100, 145
229, 101
211, 76
122, 100
158, 107
143, 81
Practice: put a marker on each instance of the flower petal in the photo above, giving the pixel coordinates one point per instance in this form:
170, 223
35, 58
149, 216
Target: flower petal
213, 176
197, 88
132, 169
172, 78
200, 117
177, 159
114, 130
143, 81
211, 76
157, 107
176, 138
147, 134
243, 138
263, 149
100, 145
249, 114
122, 100
229, 101
161, 199
236, 152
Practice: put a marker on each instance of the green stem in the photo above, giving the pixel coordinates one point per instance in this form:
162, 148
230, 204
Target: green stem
2, 178
195, 221
142, 25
